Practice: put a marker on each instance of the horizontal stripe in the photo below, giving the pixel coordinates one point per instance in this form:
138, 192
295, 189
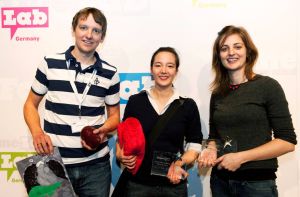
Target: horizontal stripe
59, 74
98, 90
61, 97
70, 162
60, 81
57, 56
59, 129
41, 77
39, 88
94, 156
60, 85
73, 110
108, 74
65, 129
114, 89
106, 66
90, 162
65, 86
66, 141
115, 79
56, 63
58, 70
59, 119
103, 81
80, 152
112, 99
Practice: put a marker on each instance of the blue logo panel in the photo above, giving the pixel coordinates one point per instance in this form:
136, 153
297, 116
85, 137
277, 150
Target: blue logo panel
132, 83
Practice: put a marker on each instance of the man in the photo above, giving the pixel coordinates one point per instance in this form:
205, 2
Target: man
79, 87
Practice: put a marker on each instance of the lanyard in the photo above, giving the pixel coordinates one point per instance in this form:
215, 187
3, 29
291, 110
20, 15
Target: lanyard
86, 89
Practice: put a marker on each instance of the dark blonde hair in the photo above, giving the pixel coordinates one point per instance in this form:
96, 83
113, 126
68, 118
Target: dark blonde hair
221, 82
97, 15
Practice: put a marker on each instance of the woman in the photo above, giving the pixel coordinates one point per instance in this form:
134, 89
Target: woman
184, 126
249, 113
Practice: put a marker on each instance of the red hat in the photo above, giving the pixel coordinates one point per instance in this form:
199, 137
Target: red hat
131, 138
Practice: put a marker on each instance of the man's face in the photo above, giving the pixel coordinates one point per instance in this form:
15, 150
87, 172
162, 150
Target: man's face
88, 35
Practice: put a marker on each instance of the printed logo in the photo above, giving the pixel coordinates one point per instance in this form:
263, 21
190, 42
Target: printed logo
132, 83
8, 164
24, 17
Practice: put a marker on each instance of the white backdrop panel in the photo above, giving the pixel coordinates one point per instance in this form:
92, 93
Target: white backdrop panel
135, 29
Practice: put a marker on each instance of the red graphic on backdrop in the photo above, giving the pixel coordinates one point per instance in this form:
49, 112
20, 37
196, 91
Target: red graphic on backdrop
24, 17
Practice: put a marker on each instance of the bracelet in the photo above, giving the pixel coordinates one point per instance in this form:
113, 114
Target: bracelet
179, 159
181, 162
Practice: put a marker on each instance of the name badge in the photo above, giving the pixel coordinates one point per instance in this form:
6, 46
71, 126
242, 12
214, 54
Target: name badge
78, 126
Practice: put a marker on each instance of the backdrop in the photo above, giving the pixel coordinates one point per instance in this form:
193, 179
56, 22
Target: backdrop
33, 28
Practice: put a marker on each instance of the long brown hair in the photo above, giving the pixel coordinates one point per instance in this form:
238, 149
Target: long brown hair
221, 82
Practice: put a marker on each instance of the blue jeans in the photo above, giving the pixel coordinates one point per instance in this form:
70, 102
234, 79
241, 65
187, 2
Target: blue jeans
234, 188
140, 190
91, 180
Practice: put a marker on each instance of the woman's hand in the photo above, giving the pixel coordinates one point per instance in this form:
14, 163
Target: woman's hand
176, 173
207, 157
230, 161
127, 161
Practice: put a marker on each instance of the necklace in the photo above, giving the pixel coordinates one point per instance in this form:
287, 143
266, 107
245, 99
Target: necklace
236, 86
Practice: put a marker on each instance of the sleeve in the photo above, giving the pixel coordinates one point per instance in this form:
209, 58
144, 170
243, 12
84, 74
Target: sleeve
194, 132
212, 129
40, 83
113, 93
128, 109
278, 112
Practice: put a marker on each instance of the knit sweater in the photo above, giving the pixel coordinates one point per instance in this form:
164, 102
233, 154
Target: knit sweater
183, 125
252, 115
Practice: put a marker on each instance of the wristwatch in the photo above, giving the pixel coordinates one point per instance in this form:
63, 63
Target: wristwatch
180, 162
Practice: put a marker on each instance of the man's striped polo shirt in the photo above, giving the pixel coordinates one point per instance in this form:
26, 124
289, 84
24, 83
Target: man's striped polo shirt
53, 79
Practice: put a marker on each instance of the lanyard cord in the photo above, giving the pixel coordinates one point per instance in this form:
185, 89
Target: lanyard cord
86, 89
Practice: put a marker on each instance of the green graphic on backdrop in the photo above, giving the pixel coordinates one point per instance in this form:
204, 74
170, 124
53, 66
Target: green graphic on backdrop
8, 161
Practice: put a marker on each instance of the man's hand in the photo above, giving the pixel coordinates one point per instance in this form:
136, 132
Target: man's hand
93, 135
42, 143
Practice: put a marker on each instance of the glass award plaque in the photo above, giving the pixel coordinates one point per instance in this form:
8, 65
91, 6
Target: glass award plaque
161, 162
